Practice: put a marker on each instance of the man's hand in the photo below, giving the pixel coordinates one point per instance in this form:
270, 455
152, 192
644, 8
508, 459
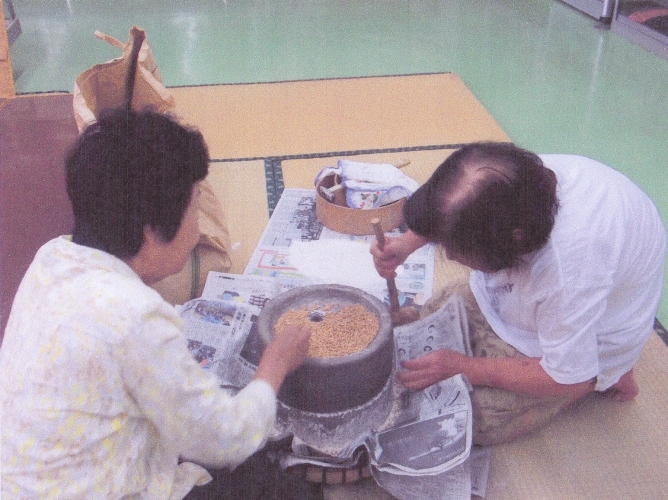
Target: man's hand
524, 375
394, 253
432, 368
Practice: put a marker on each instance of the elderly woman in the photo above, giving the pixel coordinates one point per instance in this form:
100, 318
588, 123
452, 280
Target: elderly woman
567, 257
101, 397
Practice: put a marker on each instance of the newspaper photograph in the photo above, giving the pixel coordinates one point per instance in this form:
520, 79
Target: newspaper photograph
222, 336
452, 484
428, 444
253, 291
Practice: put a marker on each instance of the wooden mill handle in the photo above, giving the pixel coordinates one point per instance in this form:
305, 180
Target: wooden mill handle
391, 285
380, 236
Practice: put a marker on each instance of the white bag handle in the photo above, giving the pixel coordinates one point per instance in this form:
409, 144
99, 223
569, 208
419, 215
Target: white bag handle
109, 39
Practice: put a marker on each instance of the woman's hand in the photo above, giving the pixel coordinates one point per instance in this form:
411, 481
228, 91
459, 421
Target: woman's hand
283, 355
395, 252
432, 368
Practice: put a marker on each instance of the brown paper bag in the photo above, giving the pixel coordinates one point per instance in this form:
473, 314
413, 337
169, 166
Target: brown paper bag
104, 85
212, 253
114, 84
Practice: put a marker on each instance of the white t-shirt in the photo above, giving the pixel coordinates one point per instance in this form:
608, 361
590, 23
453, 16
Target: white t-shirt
584, 303
100, 395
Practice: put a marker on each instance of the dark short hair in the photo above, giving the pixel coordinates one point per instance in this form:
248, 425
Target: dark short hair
128, 171
479, 196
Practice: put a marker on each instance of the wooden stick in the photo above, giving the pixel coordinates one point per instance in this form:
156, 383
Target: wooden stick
130, 77
391, 285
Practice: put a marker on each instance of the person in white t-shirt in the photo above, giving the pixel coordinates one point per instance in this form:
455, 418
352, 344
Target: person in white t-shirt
567, 259
100, 396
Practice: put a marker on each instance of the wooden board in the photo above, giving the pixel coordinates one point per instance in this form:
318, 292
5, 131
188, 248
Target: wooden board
6, 76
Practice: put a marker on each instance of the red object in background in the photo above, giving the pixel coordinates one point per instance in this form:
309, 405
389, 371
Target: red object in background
35, 133
643, 16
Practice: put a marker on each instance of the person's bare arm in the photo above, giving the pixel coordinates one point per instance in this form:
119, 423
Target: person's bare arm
524, 375
285, 353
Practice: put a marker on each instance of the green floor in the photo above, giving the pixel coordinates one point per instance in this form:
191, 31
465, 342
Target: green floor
552, 77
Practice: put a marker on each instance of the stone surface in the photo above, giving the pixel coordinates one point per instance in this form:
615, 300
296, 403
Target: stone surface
328, 385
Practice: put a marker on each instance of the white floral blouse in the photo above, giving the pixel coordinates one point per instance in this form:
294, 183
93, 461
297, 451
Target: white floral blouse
100, 394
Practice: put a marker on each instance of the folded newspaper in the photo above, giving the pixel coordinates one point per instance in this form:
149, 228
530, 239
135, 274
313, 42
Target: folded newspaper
296, 249
423, 449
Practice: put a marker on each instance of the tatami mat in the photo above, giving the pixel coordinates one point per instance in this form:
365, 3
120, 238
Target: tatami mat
586, 454
296, 128
240, 186
599, 450
268, 135
335, 116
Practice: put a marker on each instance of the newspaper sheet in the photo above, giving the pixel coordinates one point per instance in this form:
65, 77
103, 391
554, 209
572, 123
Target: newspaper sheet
294, 224
218, 334
425, 440
480, 459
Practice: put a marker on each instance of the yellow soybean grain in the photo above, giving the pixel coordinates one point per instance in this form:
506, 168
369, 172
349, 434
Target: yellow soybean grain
335, 330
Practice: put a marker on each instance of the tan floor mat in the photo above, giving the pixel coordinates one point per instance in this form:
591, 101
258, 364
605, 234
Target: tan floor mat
266, 136
338, 115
